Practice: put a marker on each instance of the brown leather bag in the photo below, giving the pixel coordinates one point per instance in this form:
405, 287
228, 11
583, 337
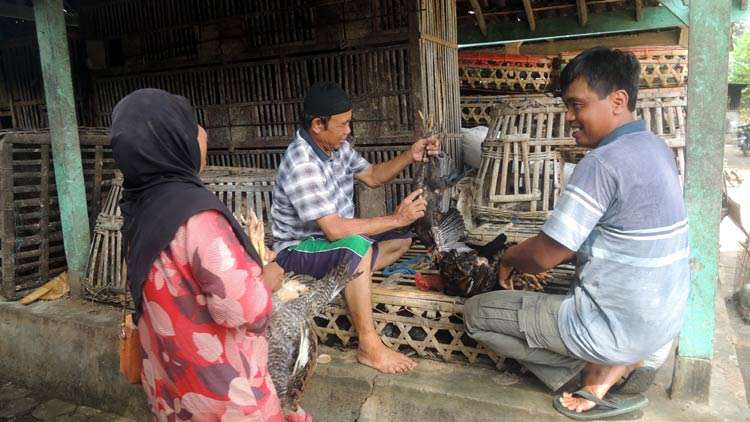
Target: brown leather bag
131, 364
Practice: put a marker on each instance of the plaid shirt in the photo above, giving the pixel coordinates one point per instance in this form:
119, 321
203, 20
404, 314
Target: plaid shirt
309, 185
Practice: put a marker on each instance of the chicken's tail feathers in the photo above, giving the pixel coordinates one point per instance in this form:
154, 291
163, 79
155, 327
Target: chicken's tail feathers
449, 229
328, 288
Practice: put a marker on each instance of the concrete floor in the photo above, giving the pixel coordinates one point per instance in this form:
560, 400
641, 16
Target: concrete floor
21, 405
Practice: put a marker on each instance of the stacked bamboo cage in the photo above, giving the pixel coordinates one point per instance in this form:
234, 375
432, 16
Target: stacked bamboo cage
31, 251
527, 147
240, 189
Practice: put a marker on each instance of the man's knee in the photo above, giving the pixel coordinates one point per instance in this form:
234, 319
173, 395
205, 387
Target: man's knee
471, 309
361, 246
394, 246
404, 244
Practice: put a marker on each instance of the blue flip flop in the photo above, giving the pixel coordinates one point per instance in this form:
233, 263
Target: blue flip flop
611, 405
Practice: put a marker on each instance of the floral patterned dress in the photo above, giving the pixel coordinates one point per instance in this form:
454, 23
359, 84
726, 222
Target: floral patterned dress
202, 329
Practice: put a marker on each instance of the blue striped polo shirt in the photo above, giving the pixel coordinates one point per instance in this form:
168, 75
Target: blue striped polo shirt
623, 213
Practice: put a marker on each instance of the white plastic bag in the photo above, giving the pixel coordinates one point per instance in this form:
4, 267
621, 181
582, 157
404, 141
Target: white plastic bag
471, 141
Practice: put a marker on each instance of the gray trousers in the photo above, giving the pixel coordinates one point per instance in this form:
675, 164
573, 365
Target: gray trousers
523, 326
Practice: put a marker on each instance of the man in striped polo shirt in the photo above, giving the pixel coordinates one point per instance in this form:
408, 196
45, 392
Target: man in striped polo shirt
622, 219
313, 212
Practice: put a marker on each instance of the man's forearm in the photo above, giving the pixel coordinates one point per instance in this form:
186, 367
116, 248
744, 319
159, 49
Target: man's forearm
344, 227
536, 254
523, 257
388, 170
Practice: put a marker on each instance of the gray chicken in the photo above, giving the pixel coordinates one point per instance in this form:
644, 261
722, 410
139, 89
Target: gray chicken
292, 343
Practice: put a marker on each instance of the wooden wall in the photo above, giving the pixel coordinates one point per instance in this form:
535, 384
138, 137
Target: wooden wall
246, 65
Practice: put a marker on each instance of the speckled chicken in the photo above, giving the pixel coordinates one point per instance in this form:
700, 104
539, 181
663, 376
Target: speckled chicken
466, 271
292, 343
436, 177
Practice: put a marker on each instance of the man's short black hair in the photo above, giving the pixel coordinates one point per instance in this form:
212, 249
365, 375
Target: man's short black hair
605, 71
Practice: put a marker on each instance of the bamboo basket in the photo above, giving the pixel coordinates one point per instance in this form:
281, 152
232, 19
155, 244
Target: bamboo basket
542, 117
661, 67
518, 178
504, 73
105, 278
428, 324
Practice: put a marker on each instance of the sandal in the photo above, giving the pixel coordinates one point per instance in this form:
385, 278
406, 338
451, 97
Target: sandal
610, 405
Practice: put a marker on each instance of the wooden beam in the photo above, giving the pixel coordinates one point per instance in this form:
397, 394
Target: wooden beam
638, 9
52, 37
501, 11
479, 16
583, 12
17, 11
599, 24
684, 37
667, 38
529, 14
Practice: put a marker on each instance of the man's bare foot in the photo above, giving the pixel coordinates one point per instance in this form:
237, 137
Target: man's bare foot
627, 373
598, 380
373, 353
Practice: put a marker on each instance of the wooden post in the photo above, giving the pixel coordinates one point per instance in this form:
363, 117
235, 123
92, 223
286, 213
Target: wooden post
479, 16
58, 90
583, 12
638, 9
707, 92
529, 14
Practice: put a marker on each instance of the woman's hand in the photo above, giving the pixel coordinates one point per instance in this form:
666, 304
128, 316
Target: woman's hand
273, 276
270, 255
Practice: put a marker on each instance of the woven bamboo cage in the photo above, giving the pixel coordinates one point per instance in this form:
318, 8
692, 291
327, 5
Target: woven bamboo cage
527, 147
661, 67
395, 191
543, 115
518, 178
31, 246
241, 189
426, 323
505, 73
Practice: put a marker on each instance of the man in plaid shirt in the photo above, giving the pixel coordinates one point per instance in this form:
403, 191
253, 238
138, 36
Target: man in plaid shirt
314, 227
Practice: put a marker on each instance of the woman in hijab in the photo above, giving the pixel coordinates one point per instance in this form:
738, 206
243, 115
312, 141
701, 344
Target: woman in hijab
202, 300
